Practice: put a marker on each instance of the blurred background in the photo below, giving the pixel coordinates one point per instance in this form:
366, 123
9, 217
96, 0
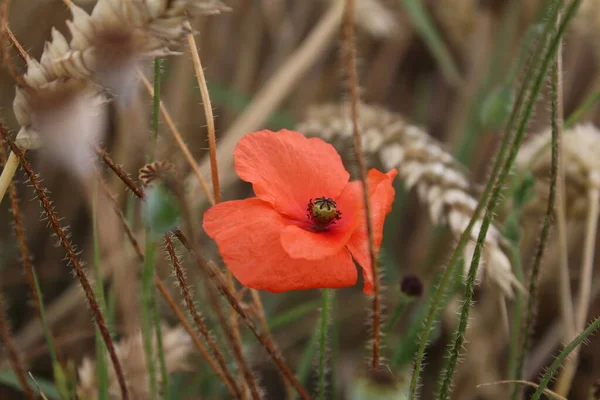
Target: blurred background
267, 62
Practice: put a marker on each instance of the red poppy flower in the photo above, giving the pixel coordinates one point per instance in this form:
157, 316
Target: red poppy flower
307, 221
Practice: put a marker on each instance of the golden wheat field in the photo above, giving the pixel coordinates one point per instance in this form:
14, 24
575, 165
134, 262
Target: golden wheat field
299, 199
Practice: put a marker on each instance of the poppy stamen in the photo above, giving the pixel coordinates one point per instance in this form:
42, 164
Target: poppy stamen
323, 212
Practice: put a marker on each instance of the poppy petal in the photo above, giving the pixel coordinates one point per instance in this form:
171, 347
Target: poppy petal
287, 169
302, 241
247, 234
381, 195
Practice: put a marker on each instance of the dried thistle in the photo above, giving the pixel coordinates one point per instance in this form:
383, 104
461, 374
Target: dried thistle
441, 183
582, 167
177, 347
156, 170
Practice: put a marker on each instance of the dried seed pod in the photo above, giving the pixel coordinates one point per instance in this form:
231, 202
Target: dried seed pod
441, 183
156, 170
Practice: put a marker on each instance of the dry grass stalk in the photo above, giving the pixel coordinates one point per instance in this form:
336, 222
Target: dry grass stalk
389, 141
73, 261
195, 314
180, 142
352, 73
274, 91
177, 347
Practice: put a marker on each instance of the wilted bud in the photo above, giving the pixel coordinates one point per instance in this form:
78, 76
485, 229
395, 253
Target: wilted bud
411, 286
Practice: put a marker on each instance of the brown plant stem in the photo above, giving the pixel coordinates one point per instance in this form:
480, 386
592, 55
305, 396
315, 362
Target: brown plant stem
119, 172
163, 289
25, 256
6, 39
183, 320
13, 356
74, 261
351, 70
210, 121
262, 337
236, 344
200, 325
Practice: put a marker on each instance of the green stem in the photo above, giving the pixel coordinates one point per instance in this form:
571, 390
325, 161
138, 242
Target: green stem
549, 53
593, 327
148, 311
466, 235
101, 367
327, 298
161, 353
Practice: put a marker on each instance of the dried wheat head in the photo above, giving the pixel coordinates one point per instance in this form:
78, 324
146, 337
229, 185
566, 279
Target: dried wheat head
581, 146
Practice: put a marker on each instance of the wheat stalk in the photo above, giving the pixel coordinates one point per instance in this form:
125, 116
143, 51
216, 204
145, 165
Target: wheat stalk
441, 183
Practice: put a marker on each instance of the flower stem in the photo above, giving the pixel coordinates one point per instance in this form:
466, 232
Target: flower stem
350, 62
558, 361
530, 316
548, 54
74, 262
327, 298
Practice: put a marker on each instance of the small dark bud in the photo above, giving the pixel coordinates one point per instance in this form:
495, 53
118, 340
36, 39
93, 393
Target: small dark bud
411, 286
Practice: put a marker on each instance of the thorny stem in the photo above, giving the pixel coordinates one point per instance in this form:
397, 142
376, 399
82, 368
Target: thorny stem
549, 54
260, 311
234, 302
200, 325
13, 356
5, 38
558, 362
350, 61
557, 128
74, 261
28, 267
565, 379
163, 290
263, 338
199, 345
238, 353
